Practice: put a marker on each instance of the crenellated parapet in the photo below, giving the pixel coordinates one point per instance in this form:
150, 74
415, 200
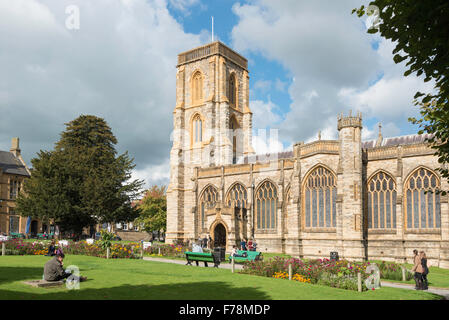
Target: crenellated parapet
350, 121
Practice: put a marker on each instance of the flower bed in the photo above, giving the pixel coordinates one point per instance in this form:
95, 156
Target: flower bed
20, 247
339, 274
121, 251
167, 250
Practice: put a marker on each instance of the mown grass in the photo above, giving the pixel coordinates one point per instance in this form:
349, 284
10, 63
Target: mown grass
140, 279
437, 277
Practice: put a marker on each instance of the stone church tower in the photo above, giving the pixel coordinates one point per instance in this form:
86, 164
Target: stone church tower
212, 126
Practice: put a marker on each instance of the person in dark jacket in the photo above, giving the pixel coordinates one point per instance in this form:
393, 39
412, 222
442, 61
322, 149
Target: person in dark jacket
243, 245
51, 249
425, 283
54, 269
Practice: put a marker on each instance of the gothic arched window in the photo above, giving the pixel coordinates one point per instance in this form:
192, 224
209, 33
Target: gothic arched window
266, 205
320, 195
197, 129
233, 90
237, 197
208, 199
422, 202
381, 202
234, 126
197, 88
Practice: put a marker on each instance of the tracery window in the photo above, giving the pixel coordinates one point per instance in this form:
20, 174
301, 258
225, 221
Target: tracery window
422, 203
197, 88
320, 195
266, 205
237, 197
208, 199
381, 202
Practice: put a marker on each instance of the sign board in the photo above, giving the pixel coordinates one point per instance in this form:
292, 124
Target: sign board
64, 243
146, 245
90, 241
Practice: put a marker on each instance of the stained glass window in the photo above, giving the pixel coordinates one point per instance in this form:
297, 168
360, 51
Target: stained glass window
237, 197
208, 199
381, 202
422, 203
320, 195
266, 205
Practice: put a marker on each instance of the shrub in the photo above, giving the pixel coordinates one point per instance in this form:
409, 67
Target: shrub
393, 271
338, 274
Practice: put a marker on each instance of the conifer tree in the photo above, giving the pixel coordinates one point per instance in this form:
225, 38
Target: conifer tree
83, 181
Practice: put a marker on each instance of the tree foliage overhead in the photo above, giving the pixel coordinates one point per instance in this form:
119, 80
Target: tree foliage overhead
153, 210
81, 182
420, 31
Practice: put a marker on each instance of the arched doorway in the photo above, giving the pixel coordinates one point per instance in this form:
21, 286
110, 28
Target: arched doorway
33, 228
219, 236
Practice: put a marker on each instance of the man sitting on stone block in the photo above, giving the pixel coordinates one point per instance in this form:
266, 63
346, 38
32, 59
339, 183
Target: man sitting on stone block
54, 271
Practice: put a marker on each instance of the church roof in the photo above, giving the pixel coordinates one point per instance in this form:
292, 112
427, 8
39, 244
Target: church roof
396, 141
11, 164
386, 142
268, 157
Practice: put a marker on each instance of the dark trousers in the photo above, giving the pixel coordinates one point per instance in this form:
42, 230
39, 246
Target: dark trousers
418, 281
425, 283
59, 278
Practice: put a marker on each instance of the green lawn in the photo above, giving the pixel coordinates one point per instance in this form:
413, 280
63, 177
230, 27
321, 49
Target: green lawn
139, 279
437, 277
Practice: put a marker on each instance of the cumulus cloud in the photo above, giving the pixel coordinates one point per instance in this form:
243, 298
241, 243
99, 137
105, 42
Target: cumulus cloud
119, 65
333, 61
265, 114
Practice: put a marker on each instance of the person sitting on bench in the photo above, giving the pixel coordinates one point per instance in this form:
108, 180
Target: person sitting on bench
235, 254
54, 271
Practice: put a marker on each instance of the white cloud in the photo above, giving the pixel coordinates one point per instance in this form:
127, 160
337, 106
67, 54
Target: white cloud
153, 174
120, 65
265, 114
331, 59
184, 5
267, 141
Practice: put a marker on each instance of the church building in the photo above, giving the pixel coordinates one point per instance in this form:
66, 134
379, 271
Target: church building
363, 199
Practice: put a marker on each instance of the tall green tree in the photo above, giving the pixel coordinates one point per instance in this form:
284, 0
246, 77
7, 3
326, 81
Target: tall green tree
153, 210
420, 31
82, 181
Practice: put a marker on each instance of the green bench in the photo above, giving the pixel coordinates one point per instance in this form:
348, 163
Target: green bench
42, 236
202, 256
250, 256
16, 235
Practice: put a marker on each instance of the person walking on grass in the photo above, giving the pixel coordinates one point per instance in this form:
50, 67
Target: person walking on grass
418, 270
423, 257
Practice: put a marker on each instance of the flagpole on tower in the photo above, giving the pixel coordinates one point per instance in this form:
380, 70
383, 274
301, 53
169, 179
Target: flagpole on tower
212, 28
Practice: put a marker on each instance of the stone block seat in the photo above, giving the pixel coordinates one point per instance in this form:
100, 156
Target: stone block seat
44, 284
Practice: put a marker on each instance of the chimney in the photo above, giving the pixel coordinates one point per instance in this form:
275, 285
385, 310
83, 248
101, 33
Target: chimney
15, 146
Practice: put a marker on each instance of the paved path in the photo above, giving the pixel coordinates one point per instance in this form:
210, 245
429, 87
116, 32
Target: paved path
439, 291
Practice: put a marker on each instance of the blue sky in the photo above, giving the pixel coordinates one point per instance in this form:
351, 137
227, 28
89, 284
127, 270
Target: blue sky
308, 61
